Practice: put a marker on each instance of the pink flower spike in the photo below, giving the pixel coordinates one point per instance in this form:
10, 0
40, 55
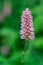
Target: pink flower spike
7, 8
5, 50
27, 29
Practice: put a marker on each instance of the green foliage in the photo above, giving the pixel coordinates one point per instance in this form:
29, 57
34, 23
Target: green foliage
34, 53
10, 34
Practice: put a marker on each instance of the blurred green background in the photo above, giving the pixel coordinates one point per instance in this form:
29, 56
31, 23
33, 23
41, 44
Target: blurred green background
10, 34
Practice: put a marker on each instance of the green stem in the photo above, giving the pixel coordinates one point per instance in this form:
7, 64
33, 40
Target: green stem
23, 54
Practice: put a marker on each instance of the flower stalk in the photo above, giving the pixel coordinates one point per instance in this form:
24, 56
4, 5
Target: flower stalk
27, 29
